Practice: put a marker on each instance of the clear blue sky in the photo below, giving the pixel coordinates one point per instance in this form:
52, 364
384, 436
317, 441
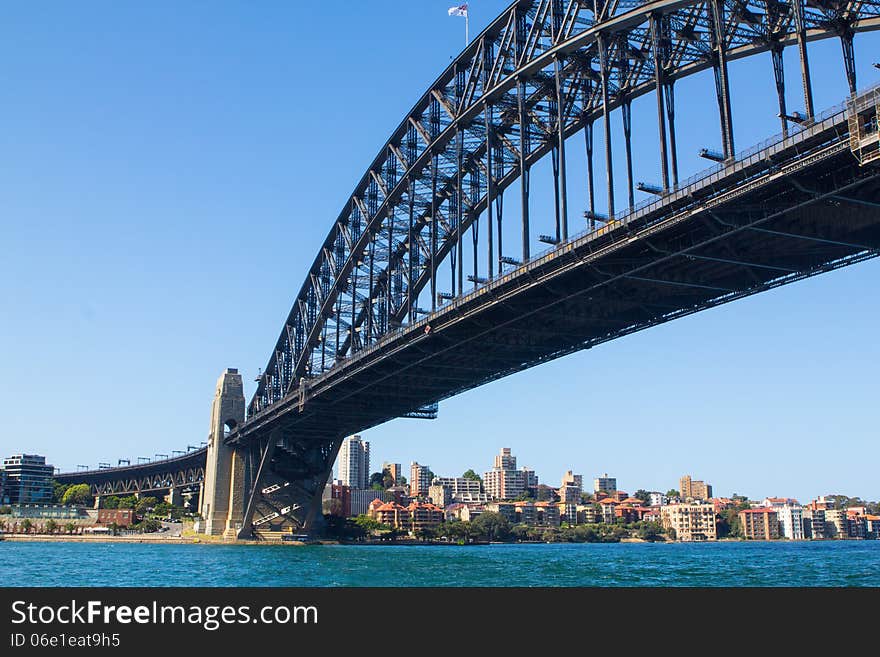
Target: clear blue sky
168, 170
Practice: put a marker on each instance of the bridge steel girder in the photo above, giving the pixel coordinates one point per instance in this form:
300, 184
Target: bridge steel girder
531, 77
187, 471
745, 228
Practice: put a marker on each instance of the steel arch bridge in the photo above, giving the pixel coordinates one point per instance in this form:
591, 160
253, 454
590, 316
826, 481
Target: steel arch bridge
391, 318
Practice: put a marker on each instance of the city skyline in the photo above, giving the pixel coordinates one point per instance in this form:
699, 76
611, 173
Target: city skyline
141, 183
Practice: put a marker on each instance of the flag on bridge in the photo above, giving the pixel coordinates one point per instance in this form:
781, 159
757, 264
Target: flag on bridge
462, 10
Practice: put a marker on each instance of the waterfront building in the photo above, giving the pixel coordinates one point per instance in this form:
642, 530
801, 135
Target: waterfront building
761, 524
856, 525
836, 525
424, 515
791, 521
119, 517
4, 499
586, 514
605, 484
692, 489
658, 499
607, 506
691, 522
814, 523
568, 512
547, 514
354, 463
872, 527
28, 479
506, 509
419, 479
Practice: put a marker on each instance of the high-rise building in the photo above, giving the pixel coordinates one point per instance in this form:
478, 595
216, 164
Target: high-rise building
571, 488
504, 481
4, 499
693, 489
28, 479
419, 479
691, 522
354, 463
605, 484
760, 524
505, 460
394, 469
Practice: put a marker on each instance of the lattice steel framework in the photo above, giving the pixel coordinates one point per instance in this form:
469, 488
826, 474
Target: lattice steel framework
541, 72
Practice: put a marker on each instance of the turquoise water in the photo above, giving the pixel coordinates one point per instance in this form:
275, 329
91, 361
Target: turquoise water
840, 563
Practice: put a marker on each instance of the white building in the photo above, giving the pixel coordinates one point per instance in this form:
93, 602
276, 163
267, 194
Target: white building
459, 485
657, 499
791, 521
354, 462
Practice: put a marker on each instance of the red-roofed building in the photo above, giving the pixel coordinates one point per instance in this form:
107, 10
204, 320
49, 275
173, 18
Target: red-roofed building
761, 524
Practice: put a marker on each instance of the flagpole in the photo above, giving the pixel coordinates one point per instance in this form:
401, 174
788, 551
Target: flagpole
466, 30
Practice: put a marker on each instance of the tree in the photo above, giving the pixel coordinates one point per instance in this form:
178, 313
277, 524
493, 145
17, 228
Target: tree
672, 493
26, 526
51, 527
78, 494
70, 527
377, 480
491, 526
128, 502
643, 495
146, 504
473, 476
368, 524
111, 502
58, 491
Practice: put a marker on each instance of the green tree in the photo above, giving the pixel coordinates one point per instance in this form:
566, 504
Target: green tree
672, 493
70, 527
27, 526
491, 526
473, 476
146, 504
643, 495
78, 494
369, 525
111, 502
129, 502
58, 491
377, 481
51, 527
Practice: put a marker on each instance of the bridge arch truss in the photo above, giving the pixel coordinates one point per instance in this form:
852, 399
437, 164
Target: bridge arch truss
540, 73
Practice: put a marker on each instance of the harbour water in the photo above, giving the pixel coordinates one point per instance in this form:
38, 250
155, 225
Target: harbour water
829, 563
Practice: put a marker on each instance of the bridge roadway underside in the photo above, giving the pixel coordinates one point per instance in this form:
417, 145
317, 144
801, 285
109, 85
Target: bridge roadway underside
749, 232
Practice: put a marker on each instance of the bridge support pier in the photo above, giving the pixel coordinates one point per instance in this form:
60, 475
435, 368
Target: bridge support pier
174, 497
223, 488
284, 479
